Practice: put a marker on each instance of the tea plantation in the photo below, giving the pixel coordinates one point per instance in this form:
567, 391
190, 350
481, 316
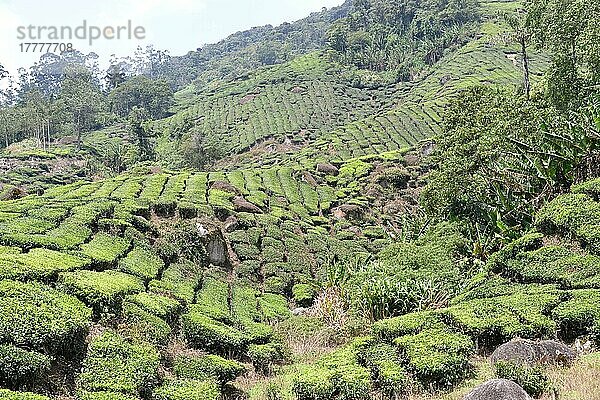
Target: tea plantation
267, 237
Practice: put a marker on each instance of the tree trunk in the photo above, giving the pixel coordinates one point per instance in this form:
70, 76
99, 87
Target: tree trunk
525, 67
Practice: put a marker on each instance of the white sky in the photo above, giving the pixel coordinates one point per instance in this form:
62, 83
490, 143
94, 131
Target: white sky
176, 25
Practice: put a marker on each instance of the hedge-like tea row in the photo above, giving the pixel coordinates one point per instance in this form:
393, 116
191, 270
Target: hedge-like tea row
142, 262
103, 291
114, 365
41, 318
38, 264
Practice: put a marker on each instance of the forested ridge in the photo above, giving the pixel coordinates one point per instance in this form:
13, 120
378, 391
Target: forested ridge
384, 200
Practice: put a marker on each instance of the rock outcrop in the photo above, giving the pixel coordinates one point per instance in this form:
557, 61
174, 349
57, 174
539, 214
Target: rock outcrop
531, 353
498, 389
243, 205
328, 169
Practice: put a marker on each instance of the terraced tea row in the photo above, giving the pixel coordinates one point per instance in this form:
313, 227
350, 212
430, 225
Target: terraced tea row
273, 105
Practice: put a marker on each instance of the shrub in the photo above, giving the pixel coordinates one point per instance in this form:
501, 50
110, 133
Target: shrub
499, 319
104, 248
591, 188
573, 214
555, 264
386, 368
161, 306
337, 375
6, 394
246, 251
142, 262
249, 271
187, 210
83, 395
179, 389
264, 356
41, 318
304, 294
38, 264
532, 379
207, 366
213, 300
579, 315
244, 304
66, 236
497, 261
276, 284
206, 333
114, 365
273, 307
389, 329
144, 326
20, 368
104, 291
179, 280
437, 356
314, 383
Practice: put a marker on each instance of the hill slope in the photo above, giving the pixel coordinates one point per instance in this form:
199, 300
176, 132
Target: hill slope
240, 281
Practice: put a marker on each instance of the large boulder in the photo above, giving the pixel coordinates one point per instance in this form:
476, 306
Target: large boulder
531, 353
225, 187
328, 169
214, 242
498, 389
244, 205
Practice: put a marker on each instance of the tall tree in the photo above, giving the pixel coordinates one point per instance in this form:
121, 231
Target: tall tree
81, 99
521, 34
155, 96
138, 117
569, 29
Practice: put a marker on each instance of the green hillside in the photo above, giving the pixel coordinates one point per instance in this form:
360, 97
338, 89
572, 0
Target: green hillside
368, 215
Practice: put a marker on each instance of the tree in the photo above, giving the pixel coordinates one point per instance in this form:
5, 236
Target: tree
500, 157
522, 35
114, 76
81, 99
3, 72
569, 29
155, 96
137, 122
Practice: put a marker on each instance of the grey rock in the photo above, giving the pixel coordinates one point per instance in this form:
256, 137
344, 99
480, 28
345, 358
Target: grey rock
498, 389
299, 311
531, 353
328, 169
244, 205
225, 186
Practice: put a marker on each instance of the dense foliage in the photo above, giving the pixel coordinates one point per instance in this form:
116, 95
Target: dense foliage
402, 37
365, 220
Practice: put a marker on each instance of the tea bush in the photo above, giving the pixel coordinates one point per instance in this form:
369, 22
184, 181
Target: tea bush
206, 333
38, 264
179, 280
387, 371
181, 389
41, 318
114, 365
142, 262
161, 306
104, 291
207, 366
265, 356
21, 368
532, 379
6, 394
105, 249
580, 315
141, 325
436, 356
